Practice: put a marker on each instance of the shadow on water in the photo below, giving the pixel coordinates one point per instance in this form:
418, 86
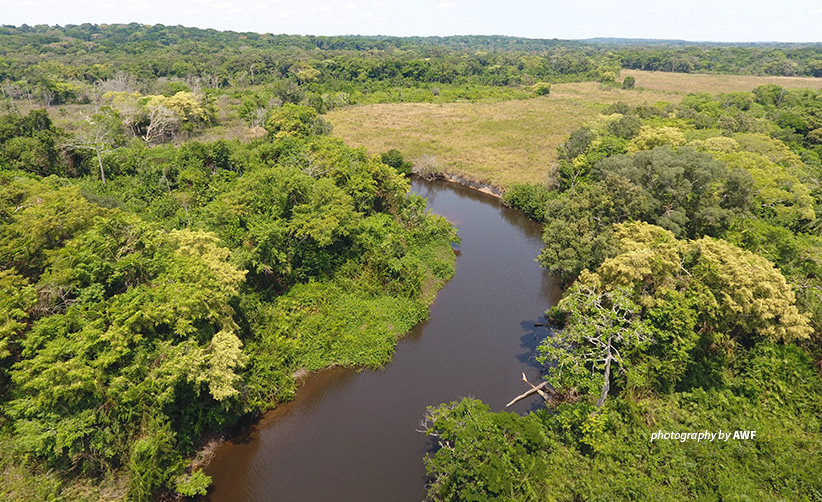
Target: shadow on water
530, 340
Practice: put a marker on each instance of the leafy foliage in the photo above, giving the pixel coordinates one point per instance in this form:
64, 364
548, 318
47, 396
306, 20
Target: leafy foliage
772, 389
395, 159
295, 120
123, 341
485, 456
689, 192
531, 199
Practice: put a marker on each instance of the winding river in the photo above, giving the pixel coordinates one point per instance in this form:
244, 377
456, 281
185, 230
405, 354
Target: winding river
351, 436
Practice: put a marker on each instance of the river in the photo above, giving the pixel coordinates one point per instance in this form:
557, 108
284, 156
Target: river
352, 436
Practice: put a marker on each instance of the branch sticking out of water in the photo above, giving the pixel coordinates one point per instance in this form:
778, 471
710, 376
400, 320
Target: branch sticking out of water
542, 389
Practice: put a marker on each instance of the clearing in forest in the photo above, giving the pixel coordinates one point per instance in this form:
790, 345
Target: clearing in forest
500, 143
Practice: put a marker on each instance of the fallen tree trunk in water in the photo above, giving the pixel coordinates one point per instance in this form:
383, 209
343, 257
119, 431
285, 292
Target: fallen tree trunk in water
542, 389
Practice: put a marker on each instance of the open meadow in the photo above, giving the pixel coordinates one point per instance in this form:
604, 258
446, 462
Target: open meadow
684, 83
500, 143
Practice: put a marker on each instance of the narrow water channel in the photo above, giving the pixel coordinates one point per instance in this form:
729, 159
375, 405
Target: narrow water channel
351, 436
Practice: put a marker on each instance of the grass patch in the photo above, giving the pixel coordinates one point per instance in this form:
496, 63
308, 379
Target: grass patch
494, 143
502, 143
349, 322
684, 83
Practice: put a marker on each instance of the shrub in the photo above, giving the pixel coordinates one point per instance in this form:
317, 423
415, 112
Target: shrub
395, 159
529, 198
541, 88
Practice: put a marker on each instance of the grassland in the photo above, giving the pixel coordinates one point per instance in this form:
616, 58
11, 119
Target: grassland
684, 83
500, 143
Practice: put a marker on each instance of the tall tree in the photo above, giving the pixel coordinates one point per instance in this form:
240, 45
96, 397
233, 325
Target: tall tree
100, 133
602, 327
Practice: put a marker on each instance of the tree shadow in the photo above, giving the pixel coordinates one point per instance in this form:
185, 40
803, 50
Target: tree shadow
530, 340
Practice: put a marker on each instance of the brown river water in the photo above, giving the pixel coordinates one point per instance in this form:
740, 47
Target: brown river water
352, 436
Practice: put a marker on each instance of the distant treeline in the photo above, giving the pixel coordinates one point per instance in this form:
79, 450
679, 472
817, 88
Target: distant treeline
765, 59
89, 53
61, 58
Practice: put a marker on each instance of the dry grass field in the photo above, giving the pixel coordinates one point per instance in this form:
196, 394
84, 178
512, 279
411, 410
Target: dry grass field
684, 83
515, 141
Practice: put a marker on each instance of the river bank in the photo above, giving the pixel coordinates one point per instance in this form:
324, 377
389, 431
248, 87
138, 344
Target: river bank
353, 434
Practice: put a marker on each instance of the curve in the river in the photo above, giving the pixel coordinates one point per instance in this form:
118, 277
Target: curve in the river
351, 436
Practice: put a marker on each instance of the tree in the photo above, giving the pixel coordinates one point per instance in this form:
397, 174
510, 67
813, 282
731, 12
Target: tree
746, 296
779, 194
17, 299
770, 95
652, 137
628, 82
145, 334
295, 120
185, 104
815, 68
602, 328
100, 133
30, 143
304, 72
395, 159
161, 122
577, 232
541, 88
484, 455
753, 296
690, 192
626, 127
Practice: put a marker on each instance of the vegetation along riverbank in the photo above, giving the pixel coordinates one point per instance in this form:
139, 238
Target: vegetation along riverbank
688, 238
188, 217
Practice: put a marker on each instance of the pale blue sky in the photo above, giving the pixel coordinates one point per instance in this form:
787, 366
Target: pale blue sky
715, 20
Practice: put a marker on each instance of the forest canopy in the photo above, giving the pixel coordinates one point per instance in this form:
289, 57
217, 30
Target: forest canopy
145, 314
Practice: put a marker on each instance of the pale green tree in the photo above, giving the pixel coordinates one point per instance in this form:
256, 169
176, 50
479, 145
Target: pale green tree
602, 327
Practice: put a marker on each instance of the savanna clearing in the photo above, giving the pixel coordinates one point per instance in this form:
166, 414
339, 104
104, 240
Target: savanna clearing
500, 143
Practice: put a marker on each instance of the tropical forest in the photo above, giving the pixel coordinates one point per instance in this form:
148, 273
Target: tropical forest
195, 223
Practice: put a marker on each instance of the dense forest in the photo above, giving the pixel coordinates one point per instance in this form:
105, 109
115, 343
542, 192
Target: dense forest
55, 65
143, 315
164, 280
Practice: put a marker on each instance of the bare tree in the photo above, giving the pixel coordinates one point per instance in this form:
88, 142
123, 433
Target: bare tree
99, 134
94, 93
48, 95
162, 123
120, 82
601, 327
8, 105
257, 117
194, 83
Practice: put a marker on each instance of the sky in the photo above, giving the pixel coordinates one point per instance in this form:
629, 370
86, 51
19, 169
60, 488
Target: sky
695, 20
